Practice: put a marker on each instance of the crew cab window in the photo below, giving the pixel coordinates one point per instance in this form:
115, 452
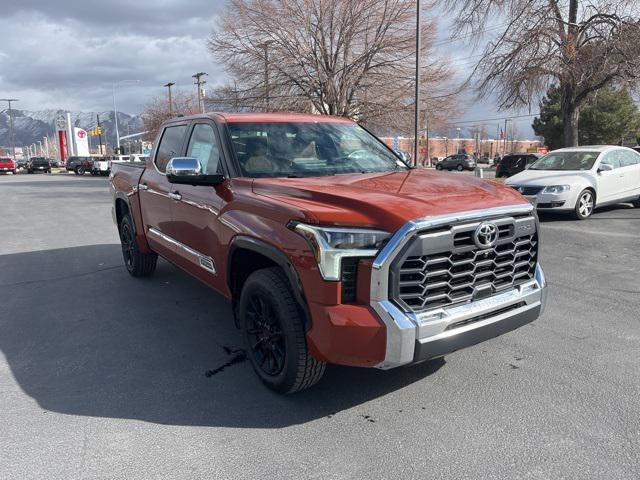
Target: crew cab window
204, 146
170, 145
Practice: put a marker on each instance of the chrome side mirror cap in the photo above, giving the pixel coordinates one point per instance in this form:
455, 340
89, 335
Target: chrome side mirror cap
188, 171
184, 167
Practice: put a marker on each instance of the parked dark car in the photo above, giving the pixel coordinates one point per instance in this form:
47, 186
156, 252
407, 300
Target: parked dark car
79, 165
460, 162
515, 163
38, 164
7, 165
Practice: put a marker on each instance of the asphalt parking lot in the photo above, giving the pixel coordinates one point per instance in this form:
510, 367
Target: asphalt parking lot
105, 376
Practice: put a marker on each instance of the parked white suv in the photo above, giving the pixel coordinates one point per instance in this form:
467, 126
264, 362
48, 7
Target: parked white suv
580, 179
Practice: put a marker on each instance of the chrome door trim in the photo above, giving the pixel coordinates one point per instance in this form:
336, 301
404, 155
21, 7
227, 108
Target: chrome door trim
203, 261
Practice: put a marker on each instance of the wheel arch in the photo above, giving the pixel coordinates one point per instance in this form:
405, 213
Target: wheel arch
248, 255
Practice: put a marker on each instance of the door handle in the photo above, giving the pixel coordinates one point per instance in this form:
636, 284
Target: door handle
175, 196
143, 186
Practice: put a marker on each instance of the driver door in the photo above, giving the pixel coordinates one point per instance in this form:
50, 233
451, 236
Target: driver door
196, 209
610, 183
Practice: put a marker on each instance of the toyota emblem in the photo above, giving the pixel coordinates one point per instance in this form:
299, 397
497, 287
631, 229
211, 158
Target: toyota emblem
486, 235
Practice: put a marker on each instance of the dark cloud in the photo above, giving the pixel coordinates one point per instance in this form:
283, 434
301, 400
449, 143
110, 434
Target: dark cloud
68, 54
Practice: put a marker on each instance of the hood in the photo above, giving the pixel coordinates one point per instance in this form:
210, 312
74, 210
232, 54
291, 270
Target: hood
544, 178
385, 200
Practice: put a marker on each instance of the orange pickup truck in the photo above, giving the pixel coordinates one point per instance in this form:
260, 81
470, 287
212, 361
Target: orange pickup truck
330, 248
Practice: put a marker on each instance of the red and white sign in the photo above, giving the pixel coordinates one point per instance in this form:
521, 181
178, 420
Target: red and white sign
82, 142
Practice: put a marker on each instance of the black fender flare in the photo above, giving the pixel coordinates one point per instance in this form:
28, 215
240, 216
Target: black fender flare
279, 258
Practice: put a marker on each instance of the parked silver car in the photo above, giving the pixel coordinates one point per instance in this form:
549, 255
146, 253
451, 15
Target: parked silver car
580, 179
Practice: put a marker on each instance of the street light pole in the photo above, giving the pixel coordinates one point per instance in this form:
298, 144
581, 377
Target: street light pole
169, 85
13, 148
416, 140
115, 108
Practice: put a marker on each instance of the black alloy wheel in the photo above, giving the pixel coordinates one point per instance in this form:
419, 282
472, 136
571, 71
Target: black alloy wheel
127, 241
264, 334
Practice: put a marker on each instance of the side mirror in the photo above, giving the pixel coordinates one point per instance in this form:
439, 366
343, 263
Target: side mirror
188, 171
605, 167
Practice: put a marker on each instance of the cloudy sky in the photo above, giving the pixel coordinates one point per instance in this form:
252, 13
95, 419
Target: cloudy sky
68, 53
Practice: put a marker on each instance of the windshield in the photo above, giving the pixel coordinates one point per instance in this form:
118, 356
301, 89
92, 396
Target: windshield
306, 149
582, 160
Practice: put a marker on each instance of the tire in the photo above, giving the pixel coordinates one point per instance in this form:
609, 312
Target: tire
273, 328
636, 202
14, 172
585, 204
460, 168
79, 171
138, 264
30, 172
438, 167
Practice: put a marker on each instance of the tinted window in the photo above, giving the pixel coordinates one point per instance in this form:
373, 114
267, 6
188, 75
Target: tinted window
170, 145
612, 158
629, 158
204, 146
566, 160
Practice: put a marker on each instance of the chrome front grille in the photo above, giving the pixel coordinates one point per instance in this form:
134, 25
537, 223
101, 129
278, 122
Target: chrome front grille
444, 267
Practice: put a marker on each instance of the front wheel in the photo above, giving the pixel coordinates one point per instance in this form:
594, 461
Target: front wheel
138, 264
585, 205
636, 202
459, 168
438, 167
273, 328
79, 171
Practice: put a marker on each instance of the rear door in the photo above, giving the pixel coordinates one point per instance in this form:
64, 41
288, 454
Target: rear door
196, 226
155, 191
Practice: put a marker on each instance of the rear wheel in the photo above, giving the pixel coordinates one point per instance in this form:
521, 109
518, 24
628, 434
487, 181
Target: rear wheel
273, 329
138, 264
585, 204
438, 167
459, 168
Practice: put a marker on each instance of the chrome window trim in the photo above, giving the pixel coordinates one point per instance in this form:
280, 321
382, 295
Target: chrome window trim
403, 329
203, 261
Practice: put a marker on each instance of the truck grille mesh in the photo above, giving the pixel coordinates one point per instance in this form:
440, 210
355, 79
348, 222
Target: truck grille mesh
442, 278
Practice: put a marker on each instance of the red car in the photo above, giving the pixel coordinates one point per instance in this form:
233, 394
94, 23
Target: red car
330, 248
7, 165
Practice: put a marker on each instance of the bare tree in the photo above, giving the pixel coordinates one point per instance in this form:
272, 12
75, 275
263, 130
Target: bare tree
351, 58
579, 46
157, 111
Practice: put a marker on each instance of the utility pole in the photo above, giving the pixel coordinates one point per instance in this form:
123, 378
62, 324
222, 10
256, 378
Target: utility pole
416, 140
99, 136
169, 85
13, 148
199, 83
505, 135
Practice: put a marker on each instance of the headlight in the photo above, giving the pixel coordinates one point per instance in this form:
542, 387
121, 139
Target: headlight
331, 245
557, 189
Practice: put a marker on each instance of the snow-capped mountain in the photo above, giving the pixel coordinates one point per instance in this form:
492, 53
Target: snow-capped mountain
31, 126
